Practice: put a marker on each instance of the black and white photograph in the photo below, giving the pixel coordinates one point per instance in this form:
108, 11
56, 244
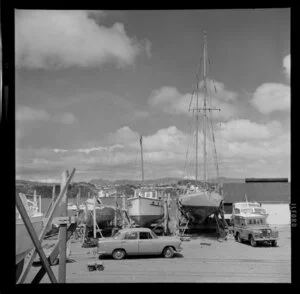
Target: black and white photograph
153, 146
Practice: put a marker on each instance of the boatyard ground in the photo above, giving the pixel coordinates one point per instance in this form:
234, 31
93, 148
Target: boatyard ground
203, 259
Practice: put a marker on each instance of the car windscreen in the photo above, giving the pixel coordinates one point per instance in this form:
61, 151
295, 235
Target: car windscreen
154, 236
117, 235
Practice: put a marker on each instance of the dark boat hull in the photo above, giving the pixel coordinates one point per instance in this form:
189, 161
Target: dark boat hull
145, 220
104, 216
198, 206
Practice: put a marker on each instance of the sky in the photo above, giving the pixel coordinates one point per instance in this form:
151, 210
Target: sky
89, 83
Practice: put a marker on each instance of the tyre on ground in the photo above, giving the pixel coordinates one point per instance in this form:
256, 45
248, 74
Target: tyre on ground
119, 254
168, 252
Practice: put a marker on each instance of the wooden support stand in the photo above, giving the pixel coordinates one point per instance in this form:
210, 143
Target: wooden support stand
38, 241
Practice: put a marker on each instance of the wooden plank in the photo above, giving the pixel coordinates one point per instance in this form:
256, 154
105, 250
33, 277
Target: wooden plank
62, 236
34, 239
54, 254
44, 231
94, 217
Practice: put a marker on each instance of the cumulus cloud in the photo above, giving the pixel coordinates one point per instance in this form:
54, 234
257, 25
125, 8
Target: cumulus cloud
241, 144
244, 129
60, 39
270, 97
29, 114
172, 101
287, 65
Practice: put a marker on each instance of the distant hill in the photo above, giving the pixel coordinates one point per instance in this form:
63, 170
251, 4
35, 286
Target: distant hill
46, 189
123, 186
163, 181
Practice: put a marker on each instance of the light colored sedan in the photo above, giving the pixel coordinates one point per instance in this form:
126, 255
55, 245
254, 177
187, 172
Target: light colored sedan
138, 241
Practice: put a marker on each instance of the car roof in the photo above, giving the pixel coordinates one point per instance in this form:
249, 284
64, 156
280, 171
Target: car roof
135, 230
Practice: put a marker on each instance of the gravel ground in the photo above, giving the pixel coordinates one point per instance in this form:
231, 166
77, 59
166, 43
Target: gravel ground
219, 262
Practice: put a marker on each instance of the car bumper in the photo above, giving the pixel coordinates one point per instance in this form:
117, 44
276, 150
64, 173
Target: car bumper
178, 249
265, 239
101, 252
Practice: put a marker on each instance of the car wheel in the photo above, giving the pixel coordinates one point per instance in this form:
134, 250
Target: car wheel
274, 243
252, 241
119, 254
168, 252
238, 238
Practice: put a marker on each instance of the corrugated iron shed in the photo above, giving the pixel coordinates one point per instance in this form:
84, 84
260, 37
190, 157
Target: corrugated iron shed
264, 192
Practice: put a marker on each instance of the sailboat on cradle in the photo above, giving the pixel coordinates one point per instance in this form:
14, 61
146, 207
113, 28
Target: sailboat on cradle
145, 207
198, 203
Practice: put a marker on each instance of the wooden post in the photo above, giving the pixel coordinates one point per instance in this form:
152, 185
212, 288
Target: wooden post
40, 204
94, 217
53, 194
34, 239
34, 197
52, 257
165, 215
123, 211
115, 218
48, 221
63, 232
78, 197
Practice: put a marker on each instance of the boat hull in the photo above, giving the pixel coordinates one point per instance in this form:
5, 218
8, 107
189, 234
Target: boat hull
23, 240
104, 215
144, 211
198, 206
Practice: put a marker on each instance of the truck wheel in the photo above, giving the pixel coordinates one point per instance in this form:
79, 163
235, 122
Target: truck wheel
119, 254
168, 252
274, 243
252, 241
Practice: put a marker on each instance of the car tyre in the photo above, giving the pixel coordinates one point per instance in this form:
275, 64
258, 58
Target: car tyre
168, 252
252, 241
238, 238
274, 243
119, 254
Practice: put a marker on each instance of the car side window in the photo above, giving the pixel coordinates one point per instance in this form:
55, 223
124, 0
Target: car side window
145, 235
131, 236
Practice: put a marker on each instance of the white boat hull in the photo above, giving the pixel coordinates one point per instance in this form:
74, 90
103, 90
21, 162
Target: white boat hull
145, 211
23, 240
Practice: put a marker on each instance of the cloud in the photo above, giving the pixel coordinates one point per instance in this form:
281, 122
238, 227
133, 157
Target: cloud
140, 114
244, 148
60, 39
270, 97
172, 101
244, 129
29, 114
89, 150
66, 118
287, 65
124, 135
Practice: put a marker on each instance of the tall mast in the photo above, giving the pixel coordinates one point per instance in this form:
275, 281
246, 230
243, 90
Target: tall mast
197, 123
204, 108
141, 143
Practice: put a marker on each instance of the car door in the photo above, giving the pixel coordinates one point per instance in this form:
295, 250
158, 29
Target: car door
130, 243
147, 244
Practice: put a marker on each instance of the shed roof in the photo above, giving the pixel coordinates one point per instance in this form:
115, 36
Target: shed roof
270, 192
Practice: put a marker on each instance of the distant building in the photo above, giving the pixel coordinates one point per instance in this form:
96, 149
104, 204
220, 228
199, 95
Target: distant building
273, 194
